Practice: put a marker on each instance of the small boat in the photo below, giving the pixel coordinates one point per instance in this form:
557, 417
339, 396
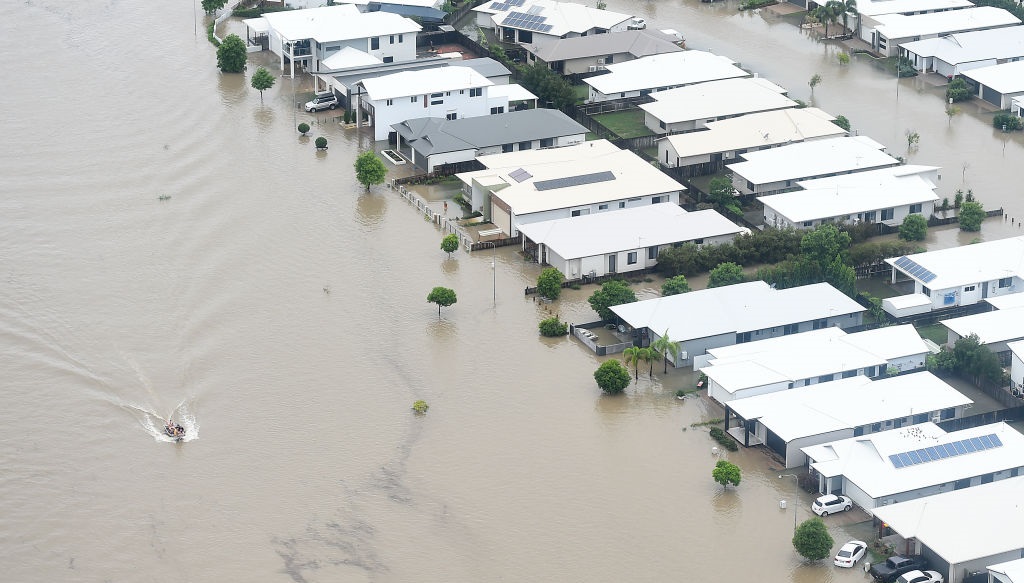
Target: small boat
174, 430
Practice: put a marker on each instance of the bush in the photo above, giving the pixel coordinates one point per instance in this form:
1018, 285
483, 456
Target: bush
841, 120
420, 407
321, 143
612, 377
957, 90
725, 274
303, 128
971, 215
549, 283
553, 327
1010, 121
675, 285
723, 439
914, 228
812, 539
612, 293
347, 117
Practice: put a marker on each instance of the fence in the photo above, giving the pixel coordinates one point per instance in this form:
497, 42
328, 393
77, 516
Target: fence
598, 278
228, 11
496, 243
934, 221
442, 171
438, 219
583, 334
1012, 414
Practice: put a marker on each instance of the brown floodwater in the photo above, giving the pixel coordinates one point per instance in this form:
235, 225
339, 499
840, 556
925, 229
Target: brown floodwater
277, 310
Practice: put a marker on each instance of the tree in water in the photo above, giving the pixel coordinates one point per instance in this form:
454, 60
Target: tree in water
443, 297
370, 169
231, 54
262, 80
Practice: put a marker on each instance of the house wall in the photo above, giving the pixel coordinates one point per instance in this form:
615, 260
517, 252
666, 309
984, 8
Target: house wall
435, 160
909, 363
858, 496
439, 104
657, 126
963, 296
775, 218
724, 397
1016, 371
398, 47
598, 62
564, 213
796, 458
960, 570
698, 346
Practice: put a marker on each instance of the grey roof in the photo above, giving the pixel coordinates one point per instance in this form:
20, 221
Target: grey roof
639, 43
486, 66
434, 135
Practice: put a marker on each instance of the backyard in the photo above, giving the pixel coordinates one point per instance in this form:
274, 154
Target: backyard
625, 124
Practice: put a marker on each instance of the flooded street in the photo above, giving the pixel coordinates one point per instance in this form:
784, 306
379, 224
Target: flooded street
278, 311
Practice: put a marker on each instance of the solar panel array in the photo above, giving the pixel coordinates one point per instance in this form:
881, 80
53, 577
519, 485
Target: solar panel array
525, 21
520, 175
943, 451
915, 270
574, 180
506, 4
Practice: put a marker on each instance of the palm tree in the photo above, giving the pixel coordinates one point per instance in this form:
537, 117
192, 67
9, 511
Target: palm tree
665, 346
631, 356
849, 9
648, 355
828, 13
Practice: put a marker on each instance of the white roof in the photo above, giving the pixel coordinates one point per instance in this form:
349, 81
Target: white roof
1011, 570
768, 128
991, 327
809, 355
897, 26
910, 175
727, 97
1006, 301
909, 301
512, 91
966, 47
335, 23
522, 158
846, 404
736, 308
349, 57
1004, 78
665, 70
971, 523
967, 264
865, 461
631, 228
869, 8
840, 201
422, 82
563, 17
815, 158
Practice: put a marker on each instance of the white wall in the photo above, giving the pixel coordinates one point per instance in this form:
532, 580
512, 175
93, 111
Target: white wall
433, 105
796, 458
1016, 371
775, 218
564, 213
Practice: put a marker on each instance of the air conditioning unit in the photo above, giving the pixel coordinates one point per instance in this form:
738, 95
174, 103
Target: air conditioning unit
936, 419
592, 68
600, 61
600, 67
683, 354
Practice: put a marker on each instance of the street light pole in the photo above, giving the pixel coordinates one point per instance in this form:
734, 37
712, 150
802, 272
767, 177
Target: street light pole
796, 487
494, 273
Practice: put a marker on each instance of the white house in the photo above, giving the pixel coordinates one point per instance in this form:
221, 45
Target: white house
964, 275
310, 36
915, 462
1017, 106
722, 141
819, 356
692, 107
1008, 572
789, 420
892, 30
541, 185
702, 320
660, 72
954, 54
776, 170
995, 330
884, 196
867, 10
429, 142
1016, 368
625, 240
997, 84
447, 92
523, 21
588, 54
963, 531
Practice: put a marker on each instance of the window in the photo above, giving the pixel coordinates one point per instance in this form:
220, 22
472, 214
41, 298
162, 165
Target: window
415, 99
622, 204
915, 208
506, 148
374, 43
1005, 282
652, 252
622, 94
820, 323
920, 418
655, 199
496, 110
886, 214
875, 427
525, 145
849, 373
661, 124
631, 258
808, 223
947, 414
389, 59
790, 329
858, 431
825, 378
401, 38
448, 93
698, 241
452, 116
926, 291
392, 40
968, 288
547, 142
436, 95
462, 91
580, 212
602, 207
436, 102
869, 371
391, 102
742, 337
476, 92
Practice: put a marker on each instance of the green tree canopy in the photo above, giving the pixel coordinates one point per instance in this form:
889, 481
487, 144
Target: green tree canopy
725, 274
957, 90
971, 215
812, 540
675, 285
841, 120
914, 228
971, 359
262, 80
547, 85
611, 377
443, 297
370, 169
726, 473
553, 327
612, 293
231, 54
211, 6
665, 346
631, 356
823, 244
722, 194
450, 243
549, 283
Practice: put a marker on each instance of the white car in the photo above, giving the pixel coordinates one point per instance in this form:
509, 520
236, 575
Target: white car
637, 23
322, 101
830, 504
851, 552
920, 577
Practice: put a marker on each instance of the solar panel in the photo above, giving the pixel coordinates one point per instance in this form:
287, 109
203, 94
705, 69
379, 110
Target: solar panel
946, 450
914, 269
535, 9
520, 175
574, 180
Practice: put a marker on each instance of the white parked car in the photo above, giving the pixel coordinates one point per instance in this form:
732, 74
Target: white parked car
920, 577
637, 24
851, 552
830, 504
322, 101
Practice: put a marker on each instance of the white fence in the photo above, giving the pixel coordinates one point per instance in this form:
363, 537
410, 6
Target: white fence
442, 222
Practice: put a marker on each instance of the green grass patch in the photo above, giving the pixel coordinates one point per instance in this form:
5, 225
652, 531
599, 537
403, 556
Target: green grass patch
625, 124
934, 332
582, 92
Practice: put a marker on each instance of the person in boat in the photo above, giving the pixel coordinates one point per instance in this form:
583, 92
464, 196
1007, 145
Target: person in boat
174, 429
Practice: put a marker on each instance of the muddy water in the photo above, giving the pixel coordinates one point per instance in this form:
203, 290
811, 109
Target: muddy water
278, 311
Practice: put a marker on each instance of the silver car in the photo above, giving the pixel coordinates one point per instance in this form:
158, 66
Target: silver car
322, 101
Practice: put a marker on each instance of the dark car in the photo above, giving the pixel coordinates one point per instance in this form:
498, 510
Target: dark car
895, 566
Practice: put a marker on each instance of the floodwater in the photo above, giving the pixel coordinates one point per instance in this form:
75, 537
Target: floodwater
277, 310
